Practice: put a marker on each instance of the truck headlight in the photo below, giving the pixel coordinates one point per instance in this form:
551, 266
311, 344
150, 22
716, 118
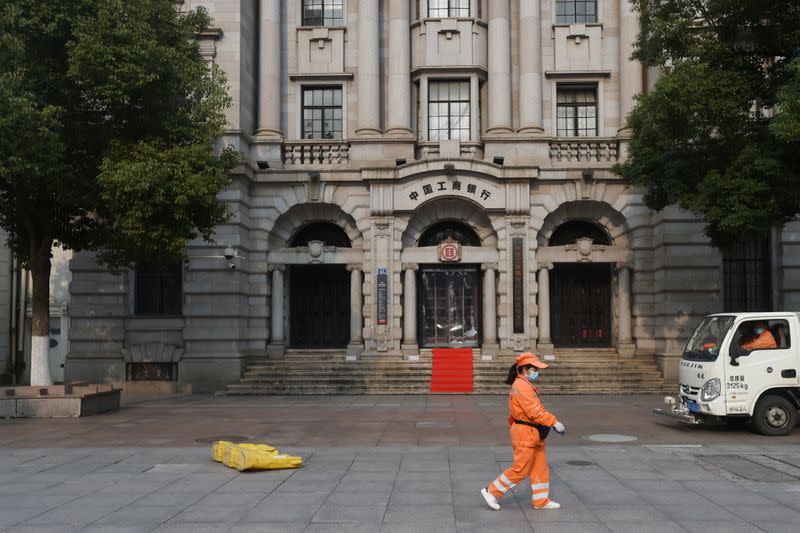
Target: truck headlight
711, 390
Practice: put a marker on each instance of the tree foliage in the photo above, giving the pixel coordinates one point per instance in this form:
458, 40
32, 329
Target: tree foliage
720, 132
108, 117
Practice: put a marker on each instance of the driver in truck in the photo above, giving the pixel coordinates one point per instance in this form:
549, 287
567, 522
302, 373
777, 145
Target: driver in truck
760, 339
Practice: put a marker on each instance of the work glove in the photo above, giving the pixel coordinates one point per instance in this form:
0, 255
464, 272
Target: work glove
559, 428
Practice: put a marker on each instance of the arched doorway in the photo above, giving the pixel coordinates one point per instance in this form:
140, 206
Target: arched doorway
319, 294
581, 306
449, 295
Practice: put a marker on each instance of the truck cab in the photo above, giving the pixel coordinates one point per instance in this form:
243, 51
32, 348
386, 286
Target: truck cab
741, 367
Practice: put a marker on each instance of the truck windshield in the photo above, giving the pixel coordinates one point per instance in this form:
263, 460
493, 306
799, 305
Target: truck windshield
707, 338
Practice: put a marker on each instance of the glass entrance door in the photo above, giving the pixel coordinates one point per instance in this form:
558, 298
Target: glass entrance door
449, 307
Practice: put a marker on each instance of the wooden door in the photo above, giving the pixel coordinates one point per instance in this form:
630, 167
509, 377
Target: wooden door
319, 306
580, 304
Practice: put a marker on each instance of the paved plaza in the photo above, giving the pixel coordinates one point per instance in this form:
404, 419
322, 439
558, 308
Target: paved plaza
389, 464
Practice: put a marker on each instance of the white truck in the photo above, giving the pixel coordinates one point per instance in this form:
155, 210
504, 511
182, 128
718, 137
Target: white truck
741, 367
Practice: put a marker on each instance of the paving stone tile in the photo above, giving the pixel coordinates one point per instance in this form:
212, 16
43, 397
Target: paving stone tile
268, 528
719, 526
186, 527
650, 526
135, 514
696, 511
771, 526
267, 512
209, 514
626, 513
570, 527
418, 513
754, 513
441, 527
335, 513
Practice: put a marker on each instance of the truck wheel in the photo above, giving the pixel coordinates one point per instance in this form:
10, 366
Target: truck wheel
775, 416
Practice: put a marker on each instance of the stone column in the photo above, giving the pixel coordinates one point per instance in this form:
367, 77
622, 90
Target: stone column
269, 71
625, 344
356, 345
630, 71
399, 91
530, 67
489, 344
545, 344
410, 343
499, 67
369, 110
277, 342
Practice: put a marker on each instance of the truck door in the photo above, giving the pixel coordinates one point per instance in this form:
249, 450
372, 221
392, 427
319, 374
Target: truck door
761, 356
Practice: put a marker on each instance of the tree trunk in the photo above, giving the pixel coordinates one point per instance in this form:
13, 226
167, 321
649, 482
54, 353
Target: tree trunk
40, 330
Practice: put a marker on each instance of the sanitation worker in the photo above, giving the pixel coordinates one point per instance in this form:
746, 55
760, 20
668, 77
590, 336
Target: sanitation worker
761, 339
530, 422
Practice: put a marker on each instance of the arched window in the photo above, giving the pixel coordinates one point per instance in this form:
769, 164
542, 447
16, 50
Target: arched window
449, 229
327, 232
570, 232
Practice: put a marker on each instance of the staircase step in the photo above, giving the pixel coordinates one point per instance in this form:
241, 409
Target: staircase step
574, 371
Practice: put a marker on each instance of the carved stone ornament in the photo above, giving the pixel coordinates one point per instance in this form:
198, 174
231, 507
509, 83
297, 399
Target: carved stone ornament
519, 343
315, 249
584, 248
449, 251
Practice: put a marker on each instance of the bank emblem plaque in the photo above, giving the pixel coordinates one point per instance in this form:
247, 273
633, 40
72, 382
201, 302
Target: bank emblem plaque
449, 251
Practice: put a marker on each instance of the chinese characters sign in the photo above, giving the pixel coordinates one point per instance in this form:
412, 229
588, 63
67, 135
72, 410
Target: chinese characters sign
518, 284
481, 191
382, 295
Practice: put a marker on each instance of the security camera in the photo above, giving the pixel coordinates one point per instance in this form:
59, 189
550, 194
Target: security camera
232, 265
229, 254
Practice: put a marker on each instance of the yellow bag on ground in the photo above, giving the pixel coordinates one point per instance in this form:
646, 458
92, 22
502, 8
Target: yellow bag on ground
249, 459
221, 449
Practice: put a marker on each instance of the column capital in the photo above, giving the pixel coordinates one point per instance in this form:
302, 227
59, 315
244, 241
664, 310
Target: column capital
488, 266
355, 267
276, 267
410, 266
623, 265
544, 266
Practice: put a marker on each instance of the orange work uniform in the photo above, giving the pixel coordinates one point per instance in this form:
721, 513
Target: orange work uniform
760, 342
529, 453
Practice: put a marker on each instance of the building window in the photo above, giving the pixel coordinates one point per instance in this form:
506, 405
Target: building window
576, 11
442, 9
448, 110
576, 111
327, 232
322, 113
159, 289
569, 233
746, 277
323, 13
449, 229
152, 371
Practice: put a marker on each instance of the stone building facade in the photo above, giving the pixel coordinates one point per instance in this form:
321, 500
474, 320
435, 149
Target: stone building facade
418, 174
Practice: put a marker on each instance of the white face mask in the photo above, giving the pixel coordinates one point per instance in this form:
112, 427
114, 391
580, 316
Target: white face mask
759, 331
533, 375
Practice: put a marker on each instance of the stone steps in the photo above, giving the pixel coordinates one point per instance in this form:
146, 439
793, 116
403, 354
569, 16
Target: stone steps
327, 372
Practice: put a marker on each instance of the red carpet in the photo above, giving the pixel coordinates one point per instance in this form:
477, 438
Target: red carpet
452, 370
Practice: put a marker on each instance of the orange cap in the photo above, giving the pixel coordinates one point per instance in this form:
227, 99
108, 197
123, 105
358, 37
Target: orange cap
530, 359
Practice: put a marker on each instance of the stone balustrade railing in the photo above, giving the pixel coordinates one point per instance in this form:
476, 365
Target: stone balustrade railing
316, 152
596, 150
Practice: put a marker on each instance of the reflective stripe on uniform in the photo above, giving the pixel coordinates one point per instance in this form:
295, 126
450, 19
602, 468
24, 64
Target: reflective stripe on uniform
542, 496
499, 486
507, 481
539, 486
